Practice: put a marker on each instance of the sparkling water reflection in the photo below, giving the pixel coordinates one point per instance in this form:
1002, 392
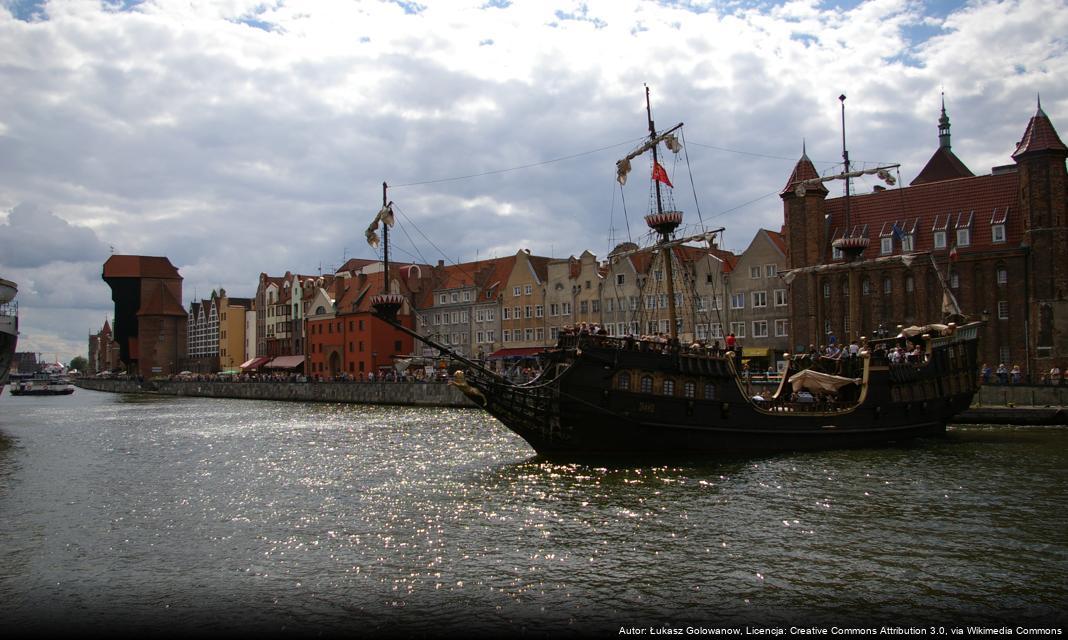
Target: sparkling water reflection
149, 514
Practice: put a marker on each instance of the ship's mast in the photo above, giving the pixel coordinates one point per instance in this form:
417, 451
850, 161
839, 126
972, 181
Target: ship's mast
664, 230
845, 158
385, 243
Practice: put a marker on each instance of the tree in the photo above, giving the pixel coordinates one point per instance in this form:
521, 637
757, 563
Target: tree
78, 363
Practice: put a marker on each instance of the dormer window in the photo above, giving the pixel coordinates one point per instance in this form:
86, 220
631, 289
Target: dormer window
997, 233
939, 240
886, 246
964, 229
997, 224
964, 237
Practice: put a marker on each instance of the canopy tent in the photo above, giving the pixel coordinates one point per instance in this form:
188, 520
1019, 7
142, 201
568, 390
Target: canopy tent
815, 381
516, 352
254, 363
914, 330
286, 362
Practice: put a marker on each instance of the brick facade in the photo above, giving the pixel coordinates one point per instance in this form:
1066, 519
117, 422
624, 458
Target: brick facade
998, 240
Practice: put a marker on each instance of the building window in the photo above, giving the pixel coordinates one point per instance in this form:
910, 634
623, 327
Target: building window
964, 237
907, 243
623, 381
887, 285
527, 310
647, 384
506, 335
939, 240
528, 289
760, 299
689, 390
760, 328
620, 279
710, 391
770, 270
442, 299
1003, 309
865, 287
737, 301
836, 253
754, 273
738, 329
539, 311
908, 284
583, 306
780, 297
886, 245
668, 388
781, 327
455, 296
516, 291
954, 280
1003, 275
826, 289
467, 296
997, 233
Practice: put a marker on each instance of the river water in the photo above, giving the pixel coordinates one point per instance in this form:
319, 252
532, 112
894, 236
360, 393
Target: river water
159, 514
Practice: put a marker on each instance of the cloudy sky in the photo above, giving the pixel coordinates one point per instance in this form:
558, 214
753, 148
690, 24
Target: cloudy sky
240, 136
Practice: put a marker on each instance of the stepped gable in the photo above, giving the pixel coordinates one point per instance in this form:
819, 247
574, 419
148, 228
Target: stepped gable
943, 165
803, 170
1039, 136
981, 197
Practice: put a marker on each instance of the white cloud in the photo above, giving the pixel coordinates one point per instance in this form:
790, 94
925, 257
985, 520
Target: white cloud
240, 136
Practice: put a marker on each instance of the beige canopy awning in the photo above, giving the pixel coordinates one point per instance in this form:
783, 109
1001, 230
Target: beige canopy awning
815, 381
914, 330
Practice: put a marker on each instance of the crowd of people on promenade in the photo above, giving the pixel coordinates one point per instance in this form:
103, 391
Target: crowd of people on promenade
1003, 375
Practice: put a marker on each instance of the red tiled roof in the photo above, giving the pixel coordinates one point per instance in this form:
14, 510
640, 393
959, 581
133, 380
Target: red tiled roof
1039, 136
139, 267
943, 165
803, 170
919, 207
777, 239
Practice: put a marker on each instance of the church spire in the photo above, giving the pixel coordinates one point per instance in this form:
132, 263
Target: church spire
943, 126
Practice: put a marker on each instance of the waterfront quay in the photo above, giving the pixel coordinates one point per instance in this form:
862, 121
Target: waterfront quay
1015, 404
419, 394
162, 514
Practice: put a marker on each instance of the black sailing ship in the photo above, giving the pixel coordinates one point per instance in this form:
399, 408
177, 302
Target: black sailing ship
601, 395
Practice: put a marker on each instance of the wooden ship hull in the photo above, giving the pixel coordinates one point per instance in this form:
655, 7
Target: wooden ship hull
591, 401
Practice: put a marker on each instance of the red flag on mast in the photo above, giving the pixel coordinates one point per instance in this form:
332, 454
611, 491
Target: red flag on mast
660, 175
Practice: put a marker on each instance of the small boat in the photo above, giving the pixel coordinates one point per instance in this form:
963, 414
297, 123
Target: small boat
671, 395
9, 327
41, 384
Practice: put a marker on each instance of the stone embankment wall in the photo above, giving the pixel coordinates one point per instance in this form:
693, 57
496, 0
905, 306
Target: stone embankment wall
394, 393
1019, 404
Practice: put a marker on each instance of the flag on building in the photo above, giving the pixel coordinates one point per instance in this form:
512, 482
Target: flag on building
953, 255
898, 233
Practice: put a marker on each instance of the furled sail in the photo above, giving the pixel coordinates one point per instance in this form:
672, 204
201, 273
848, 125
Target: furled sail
385, 215
668, 138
